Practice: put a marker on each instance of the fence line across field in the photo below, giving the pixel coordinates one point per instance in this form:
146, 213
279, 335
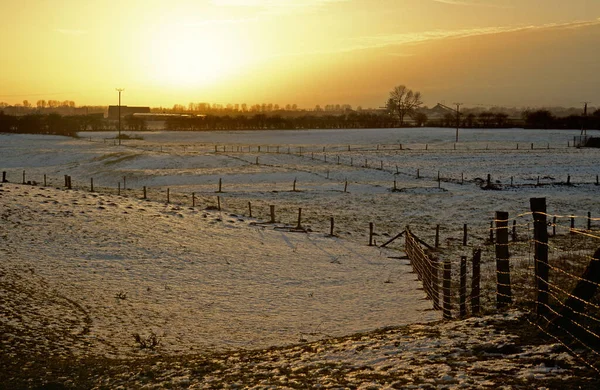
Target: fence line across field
554, 277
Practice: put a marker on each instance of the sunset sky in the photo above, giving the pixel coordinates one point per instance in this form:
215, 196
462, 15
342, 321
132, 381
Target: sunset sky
307, 52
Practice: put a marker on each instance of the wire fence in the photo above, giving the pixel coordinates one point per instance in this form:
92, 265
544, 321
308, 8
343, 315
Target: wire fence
535, 261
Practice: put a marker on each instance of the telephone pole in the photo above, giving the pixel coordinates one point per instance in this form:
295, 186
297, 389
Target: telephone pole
583, 122
457, 118
120, 90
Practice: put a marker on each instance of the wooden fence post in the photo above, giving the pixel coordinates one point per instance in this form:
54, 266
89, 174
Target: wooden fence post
23, 177
4, 177
476, 283
193, 199
124, 183
437, 236
44, 180
219, 203
463, 286
540, 237
465, 234
67, 181
503, 293
447, 283
119, 188
554, 226
294, 186
346, 186
168, 195
331, 224
370, 233
145, 197
572, 230
272, 207
250, 209
220, 185
92, 184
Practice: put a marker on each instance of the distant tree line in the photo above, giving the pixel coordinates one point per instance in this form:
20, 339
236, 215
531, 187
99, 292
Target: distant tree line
351, 120
544, 119
50, 124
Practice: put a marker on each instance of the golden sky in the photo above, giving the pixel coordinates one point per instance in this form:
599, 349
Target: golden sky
307, 52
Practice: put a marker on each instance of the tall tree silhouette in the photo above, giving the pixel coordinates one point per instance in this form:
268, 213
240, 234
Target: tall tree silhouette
403, 102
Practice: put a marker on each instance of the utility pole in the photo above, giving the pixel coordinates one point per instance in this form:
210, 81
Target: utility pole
583, 122
120, 90
457, 118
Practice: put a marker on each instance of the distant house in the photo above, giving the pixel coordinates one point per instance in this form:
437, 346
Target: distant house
113, 111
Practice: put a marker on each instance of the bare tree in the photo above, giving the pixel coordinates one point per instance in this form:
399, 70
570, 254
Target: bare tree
402, 102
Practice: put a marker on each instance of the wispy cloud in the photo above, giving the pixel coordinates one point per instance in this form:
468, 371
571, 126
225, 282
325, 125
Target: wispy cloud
72, 32
426, 36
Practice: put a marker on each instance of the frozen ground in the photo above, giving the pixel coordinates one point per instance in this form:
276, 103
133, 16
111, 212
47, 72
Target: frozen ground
186, 163
82, 272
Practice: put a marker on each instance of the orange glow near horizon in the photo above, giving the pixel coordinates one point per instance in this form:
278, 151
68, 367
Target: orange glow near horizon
304, 52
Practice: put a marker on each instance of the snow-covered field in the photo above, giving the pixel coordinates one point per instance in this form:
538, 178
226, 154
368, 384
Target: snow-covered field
83, 272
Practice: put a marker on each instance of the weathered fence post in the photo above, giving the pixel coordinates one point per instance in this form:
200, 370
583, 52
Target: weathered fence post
331, 224
219, 203
119, 188
514, 231
476, 282
370, 233
540, 237
568, 180
465, 234
572, 230
437, 236
193, 199
124, 183
220, 185
168, 195
294, 186
272, 207
417, 173
67, 181
145, 193
44, 180
346, 186
70, 183
250, 209
4, 177
447, 282
554, 226
92, 184
503, 293
463, 286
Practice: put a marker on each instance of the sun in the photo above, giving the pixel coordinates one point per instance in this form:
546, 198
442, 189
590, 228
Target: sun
181, 56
